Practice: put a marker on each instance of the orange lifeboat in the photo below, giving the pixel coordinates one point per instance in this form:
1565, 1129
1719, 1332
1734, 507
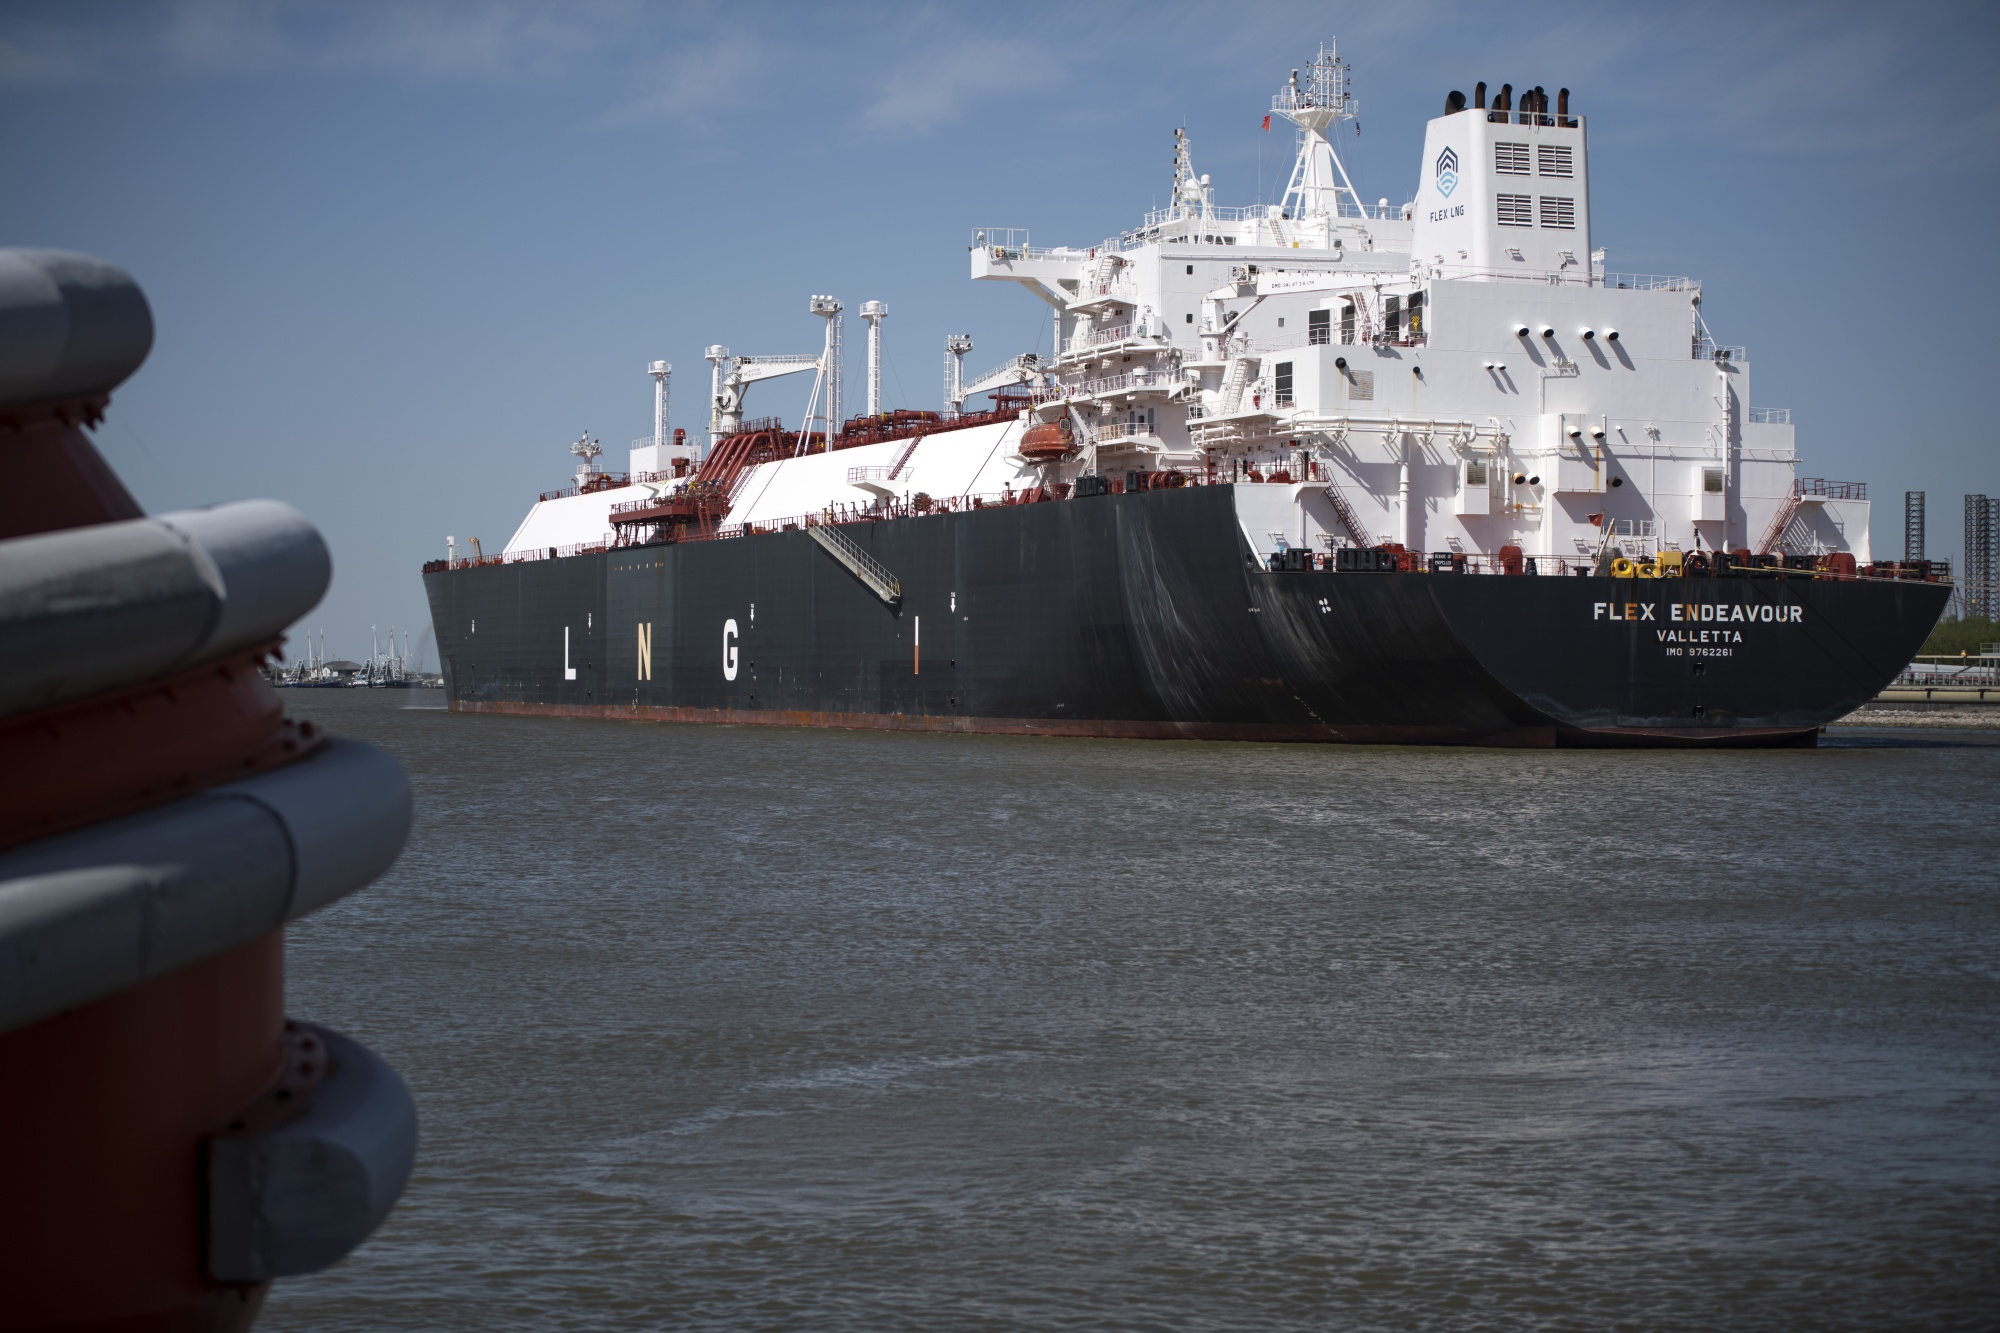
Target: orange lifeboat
1049, 440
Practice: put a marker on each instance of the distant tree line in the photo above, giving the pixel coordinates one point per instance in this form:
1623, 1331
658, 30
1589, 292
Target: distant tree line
1961, 636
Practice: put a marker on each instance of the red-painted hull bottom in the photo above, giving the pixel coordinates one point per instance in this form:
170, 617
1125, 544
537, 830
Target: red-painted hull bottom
1527, 738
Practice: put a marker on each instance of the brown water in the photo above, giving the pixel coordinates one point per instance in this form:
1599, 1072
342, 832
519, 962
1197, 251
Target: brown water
767, 1029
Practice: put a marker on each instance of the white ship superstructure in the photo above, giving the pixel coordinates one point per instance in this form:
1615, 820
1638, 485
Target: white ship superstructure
1459, 374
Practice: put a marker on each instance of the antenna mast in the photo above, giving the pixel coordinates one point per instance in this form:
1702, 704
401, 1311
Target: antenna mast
1316, 106
1192, 195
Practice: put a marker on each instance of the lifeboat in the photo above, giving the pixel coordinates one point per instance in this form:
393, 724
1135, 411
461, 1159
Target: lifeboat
1049, 440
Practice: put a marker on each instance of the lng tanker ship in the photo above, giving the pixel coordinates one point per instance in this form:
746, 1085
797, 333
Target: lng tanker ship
1320, 470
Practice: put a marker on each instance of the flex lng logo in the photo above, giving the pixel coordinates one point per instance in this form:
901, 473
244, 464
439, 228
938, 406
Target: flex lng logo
1447, 172
1710, 626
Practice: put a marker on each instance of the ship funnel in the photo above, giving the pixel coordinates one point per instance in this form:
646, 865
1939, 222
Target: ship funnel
1454, 102
1479, 95
1505, 192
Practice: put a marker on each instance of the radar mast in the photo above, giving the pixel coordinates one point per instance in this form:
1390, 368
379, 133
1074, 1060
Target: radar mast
1317, 105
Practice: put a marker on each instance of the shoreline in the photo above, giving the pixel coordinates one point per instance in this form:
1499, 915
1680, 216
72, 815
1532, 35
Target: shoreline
1954, 716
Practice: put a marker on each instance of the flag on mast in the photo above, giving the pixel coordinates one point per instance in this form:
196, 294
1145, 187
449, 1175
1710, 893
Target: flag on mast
1267, 124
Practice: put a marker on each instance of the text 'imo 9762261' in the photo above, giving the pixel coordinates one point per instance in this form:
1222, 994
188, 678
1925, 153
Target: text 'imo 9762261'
1318, 470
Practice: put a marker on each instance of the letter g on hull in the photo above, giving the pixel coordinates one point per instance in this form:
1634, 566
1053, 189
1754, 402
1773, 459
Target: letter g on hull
729, 637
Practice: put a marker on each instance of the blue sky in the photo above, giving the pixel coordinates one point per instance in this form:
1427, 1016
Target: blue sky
401, 255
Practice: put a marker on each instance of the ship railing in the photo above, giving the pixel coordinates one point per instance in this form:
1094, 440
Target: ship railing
1648, 282
1119, 383
1571, 276
1831, 490
1769, 416
650, 502
999, 238
1454, 561
1120, 288
1543, 277
520, 557
1006, 243
1955, 673
604, 481
1706, 350
1165, 217
1097, 338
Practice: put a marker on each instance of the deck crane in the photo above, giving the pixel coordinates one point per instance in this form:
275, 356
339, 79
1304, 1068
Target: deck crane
1023, 369
732, 377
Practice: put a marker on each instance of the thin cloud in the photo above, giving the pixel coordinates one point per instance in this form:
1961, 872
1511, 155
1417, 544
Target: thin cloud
494, 43
698, 82
210, 36
498, 41
927, 90
41, 55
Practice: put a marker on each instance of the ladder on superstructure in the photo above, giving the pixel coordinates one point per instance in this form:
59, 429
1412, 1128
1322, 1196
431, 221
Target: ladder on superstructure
1774, 537
1239, 379
1348, 517
895, 471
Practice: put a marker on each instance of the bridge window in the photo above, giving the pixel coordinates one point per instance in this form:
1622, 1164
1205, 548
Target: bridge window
1510, 159
1392, 317
1281, 383
1319, 327
1515, 210
1347, 323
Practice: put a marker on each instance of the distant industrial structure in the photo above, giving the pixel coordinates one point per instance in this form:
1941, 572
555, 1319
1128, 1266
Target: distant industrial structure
1979, 574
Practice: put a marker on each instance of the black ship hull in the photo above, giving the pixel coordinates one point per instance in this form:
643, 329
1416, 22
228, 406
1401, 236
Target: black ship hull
1147, 615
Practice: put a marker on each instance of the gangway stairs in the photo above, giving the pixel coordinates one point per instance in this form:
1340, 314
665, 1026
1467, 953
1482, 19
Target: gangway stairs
1774, 536
859, 563
1348, 518
1239, 379
897, 470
